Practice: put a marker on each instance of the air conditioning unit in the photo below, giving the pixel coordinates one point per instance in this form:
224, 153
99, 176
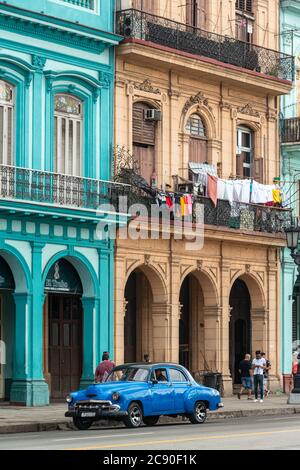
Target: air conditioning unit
153, 115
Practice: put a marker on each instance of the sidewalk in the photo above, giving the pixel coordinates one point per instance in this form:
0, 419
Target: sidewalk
21, 419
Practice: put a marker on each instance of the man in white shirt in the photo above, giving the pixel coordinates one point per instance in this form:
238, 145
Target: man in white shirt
258, 366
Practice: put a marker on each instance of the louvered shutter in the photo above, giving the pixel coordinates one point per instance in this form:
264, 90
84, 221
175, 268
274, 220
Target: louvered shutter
143, 131
258, 170
198, 150
240, 166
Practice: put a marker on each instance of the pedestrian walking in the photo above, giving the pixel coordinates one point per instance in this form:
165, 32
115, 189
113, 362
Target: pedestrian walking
266, 375
104, 368
258, 366
245, 369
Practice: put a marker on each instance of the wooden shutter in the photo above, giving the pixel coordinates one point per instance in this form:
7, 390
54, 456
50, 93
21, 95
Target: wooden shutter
143, 131
198, 150
240, 166
195, 13
148, 6
258, 170
145, 157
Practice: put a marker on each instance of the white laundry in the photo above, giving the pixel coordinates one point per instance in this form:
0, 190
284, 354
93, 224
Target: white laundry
241, 191
221, 189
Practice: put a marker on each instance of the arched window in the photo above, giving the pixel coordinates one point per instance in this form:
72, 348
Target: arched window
198, 139
7, 102
68, 134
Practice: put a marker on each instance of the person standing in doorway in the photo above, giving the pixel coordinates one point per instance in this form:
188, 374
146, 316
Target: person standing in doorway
266, 375
104, 368
258, 366
245, 369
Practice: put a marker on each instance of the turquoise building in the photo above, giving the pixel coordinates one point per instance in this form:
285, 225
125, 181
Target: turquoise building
290, 157
56, 141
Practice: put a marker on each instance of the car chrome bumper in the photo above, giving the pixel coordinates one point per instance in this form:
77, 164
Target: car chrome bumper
221, 405
95, 410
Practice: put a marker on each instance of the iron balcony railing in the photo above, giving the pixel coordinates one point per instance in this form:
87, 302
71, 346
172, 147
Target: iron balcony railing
140, 25
90, 4
34, 186
291, 130
248, 217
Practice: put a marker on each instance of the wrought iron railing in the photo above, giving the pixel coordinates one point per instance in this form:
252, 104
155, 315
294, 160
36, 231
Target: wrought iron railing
90, 4
249, 217
291, 130
34, 186
140, 25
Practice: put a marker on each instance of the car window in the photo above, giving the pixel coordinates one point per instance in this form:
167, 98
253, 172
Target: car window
177, 376
160, 374
128, 374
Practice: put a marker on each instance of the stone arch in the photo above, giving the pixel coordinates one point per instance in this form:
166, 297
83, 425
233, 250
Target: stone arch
208, 285
155, 278
146, 100
255, 288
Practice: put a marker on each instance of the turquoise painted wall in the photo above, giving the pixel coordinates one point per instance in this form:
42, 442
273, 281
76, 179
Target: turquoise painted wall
75, 55
290, 164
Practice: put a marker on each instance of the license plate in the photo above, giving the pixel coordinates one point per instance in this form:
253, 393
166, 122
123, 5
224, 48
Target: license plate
88, 414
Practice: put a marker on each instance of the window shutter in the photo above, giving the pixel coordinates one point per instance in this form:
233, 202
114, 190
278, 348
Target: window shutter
258, 170
143, 131
145, 156
240, 166
198, 150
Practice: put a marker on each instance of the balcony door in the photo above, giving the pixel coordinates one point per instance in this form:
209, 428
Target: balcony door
147, 6
194, 13
143, 141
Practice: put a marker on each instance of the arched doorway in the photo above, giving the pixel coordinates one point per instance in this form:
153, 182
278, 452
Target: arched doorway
7, 310
138, 318
240, 327
191, 325
63, 329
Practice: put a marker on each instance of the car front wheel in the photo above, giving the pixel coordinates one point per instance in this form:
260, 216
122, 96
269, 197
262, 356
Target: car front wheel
199, 414
82, 424
151, 420
135, 416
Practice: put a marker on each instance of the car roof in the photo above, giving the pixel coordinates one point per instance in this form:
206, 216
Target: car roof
149, 365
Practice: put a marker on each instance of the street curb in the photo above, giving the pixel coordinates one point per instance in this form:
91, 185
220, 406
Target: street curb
68, 425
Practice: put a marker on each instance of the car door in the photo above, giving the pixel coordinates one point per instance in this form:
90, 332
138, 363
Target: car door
180, 385
162, 393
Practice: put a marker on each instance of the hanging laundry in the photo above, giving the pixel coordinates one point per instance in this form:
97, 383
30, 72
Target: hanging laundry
258, 195
178, 209
212, 188
228, 195
170, 201
277, 196
241, 191
188, 201
221, 189
182, 205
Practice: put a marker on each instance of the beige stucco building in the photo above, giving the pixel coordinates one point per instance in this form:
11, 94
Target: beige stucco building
203, 308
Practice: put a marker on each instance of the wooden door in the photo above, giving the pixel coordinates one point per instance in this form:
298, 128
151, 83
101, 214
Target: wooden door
65, 344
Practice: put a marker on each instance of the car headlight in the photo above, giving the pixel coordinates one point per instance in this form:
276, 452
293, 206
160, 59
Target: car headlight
69, 399
115, 396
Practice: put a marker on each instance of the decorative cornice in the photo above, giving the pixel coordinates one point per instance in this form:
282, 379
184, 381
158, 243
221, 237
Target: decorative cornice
147, 87
248, 109
51, 32
197, 99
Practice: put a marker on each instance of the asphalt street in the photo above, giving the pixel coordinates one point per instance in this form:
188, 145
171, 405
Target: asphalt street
272, 433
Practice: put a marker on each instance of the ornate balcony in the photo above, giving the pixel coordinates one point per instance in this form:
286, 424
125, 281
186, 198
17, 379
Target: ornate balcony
90, 4
64, 191
291, 130
135, 24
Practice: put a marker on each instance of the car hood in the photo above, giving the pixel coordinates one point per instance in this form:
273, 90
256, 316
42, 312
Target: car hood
104, 391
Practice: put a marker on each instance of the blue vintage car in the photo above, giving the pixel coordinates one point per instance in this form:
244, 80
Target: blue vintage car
141, 393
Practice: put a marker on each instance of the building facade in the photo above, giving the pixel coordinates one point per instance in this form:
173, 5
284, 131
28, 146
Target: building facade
56, 138
290, 151
185, 96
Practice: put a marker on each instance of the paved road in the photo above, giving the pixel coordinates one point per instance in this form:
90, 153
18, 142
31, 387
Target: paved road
278, 432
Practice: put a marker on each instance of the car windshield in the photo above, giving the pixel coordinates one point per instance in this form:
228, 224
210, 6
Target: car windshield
128, 374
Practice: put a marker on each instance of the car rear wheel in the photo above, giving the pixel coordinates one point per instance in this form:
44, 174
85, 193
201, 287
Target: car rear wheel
82, 424
135, 416
151, 420
199, 414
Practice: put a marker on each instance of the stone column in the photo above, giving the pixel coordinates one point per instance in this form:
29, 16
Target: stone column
259, 329
161, 332
224, 331
212, 337
120, 308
